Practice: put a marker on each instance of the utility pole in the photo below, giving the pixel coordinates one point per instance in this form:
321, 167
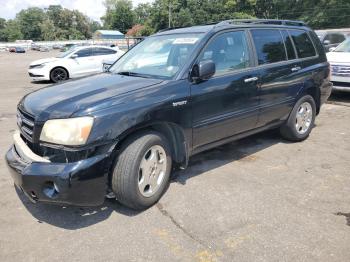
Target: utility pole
169, 14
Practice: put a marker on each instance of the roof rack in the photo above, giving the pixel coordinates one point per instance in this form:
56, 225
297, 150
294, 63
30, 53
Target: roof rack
261, 21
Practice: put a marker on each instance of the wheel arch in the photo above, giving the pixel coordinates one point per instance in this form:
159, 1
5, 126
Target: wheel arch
174, 134
311, 88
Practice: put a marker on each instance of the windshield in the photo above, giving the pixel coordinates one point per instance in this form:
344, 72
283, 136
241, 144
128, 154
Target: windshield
343, 47
66, 53
157, 56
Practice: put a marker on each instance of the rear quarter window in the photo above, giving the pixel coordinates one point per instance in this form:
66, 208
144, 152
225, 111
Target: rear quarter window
302, 43
269, 46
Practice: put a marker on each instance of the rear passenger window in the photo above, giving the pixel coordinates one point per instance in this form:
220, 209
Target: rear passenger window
103, 51
302, 43
269, 46
289, 46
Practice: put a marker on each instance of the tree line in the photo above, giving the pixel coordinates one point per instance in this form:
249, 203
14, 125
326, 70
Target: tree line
57, 23
52, 23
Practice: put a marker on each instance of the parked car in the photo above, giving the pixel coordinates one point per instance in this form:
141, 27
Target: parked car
12, 49
123, 132
66, 47
57, 46
76, 62
331, 39
340, 66
19, 49
35, 47
44, 49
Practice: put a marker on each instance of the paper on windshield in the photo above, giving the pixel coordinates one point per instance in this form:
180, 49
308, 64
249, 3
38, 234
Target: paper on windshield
185, 41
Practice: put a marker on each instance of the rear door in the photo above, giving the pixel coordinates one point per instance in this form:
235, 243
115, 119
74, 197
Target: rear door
276, 59
101, 55
226, 104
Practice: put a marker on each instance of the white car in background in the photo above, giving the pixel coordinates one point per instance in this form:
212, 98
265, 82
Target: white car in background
339, 59
76, 62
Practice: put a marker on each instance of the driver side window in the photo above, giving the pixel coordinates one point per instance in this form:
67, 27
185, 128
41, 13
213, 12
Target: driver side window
84, 52
229, 51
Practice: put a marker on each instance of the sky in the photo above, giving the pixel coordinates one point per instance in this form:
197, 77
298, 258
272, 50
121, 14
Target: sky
92, 8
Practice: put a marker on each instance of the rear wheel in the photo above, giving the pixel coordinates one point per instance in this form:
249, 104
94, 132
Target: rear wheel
141, 174
58, 74
301, 120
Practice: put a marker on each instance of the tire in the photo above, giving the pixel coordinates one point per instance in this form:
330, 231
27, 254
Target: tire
58, 74
301, 120
139, 178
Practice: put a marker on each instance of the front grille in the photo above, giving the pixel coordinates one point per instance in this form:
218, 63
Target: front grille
25, 124
340, 70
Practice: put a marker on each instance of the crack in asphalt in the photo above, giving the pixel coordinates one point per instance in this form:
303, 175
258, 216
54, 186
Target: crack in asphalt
165, 213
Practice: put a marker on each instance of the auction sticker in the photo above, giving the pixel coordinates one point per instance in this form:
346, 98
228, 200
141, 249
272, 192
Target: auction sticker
187, 40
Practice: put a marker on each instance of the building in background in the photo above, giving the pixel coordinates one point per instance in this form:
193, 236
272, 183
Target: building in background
108, 35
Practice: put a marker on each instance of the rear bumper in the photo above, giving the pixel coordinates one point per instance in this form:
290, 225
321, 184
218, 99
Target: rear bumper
82, 183
341, 83
341, 86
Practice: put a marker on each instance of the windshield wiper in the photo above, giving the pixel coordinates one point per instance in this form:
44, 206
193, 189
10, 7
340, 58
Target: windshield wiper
127, 73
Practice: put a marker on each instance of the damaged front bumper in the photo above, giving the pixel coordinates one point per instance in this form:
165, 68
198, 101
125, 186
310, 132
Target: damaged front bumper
82, 183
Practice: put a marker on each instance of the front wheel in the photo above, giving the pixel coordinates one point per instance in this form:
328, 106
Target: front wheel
58, 74
141, 174
301, 120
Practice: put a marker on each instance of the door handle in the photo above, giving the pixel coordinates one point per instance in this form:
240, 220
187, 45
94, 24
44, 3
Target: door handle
296, 69
251, 79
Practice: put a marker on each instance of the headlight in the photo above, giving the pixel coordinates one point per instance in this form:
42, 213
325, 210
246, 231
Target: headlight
70, 131
38, 66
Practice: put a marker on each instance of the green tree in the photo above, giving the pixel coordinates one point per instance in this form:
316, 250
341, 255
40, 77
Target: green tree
13, 31
142, 13
29, 21
3, 36
119, 15
48, 30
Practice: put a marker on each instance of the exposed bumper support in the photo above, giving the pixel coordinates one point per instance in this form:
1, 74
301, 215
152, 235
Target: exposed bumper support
82, 183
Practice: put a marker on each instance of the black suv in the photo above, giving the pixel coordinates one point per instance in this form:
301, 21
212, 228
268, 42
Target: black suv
177, 93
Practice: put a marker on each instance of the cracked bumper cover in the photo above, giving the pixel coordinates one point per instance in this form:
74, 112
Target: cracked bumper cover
82, 183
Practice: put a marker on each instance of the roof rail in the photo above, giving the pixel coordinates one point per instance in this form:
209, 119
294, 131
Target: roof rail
261, 21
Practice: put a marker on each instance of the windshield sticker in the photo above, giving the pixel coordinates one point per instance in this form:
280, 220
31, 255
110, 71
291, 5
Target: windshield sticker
183, 41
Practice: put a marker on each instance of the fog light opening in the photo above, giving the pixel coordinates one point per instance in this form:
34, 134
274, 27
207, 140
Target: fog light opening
33, 195
51, 190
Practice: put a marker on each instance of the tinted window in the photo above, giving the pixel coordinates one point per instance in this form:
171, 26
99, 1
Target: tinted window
289, 46
103, 51
229, 51
84, 52
269, 46
302, 43
335, 38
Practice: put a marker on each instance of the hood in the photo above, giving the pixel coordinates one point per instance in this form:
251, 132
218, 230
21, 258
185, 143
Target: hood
338, 57
63, 100
44, 60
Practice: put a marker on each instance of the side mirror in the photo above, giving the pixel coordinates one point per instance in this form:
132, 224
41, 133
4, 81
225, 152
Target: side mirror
332, 49
203, 71
73, 56
106, 66
326, 42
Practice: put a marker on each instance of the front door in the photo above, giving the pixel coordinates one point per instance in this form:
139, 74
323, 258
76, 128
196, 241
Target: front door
84, 63
226, 104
